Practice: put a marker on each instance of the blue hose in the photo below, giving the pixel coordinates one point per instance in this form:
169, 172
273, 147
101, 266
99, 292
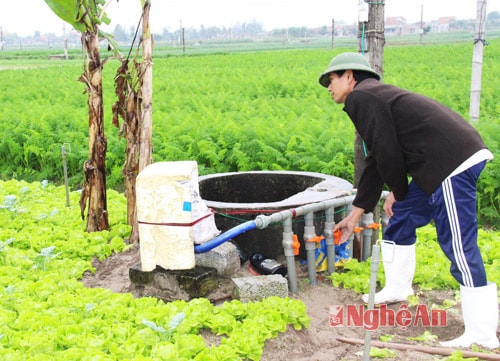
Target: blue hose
226, 236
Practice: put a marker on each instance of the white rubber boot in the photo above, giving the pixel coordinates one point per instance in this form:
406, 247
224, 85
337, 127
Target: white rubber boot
480, 313
398, 274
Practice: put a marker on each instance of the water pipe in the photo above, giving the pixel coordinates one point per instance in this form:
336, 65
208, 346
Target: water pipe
330, 244
309, 238
285, 217
263, 220
366, 221
369, 227
289, 254
371, 297
371, 294
226, 236
350, 240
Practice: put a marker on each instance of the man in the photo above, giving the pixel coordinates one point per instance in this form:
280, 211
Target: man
409, 136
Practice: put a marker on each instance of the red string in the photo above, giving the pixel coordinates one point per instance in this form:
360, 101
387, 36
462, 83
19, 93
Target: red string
179, 224
245, 211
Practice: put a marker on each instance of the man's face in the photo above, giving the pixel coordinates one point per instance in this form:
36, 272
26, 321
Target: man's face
341, 86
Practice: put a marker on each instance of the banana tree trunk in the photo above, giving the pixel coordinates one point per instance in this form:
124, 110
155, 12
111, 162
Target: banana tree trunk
145, 129
135, 107
146, 91
94, 188
131, 129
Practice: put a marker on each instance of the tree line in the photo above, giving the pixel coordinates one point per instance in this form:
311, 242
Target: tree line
241, 30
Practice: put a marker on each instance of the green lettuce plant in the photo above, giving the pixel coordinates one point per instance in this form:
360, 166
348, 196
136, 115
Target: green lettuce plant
47, 314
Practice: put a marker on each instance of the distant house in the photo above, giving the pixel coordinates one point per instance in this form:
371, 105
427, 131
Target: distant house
395, 25
442, 24
346, 30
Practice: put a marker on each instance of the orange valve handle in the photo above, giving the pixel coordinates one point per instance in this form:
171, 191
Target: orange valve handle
295, 244
336, 236
358, 229
315, 239
374, 226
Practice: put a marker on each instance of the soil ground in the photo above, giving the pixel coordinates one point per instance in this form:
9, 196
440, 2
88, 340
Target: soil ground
319, 342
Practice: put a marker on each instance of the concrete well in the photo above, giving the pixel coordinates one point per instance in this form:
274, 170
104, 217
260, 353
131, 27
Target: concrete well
241, 196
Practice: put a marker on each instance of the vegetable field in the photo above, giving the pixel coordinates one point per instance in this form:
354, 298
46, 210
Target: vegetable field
230, 112
47, 314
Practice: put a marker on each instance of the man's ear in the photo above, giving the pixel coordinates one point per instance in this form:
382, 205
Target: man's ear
349, 74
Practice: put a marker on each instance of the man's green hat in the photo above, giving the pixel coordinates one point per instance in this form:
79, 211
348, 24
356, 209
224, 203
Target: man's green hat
346, 61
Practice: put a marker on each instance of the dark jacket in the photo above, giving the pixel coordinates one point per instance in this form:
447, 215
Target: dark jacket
407, 134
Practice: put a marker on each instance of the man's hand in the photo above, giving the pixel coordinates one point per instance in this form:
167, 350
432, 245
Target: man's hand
388, 203
347, 225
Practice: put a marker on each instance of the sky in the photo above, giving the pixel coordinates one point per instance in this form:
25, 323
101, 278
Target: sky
24, 17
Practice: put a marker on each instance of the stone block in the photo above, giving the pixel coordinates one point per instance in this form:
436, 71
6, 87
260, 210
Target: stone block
171, 285
224, 259
259, 287
138, 276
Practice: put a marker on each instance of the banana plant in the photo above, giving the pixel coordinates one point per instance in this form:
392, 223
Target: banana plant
133, 87
86, 16
133, 106
83, 15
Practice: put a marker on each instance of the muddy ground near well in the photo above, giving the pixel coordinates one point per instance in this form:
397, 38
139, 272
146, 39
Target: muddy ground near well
320, 341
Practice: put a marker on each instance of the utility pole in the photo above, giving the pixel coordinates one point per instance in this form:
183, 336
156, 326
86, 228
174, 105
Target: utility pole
362, 24
182, 41
65, 37
1, 38
371, 32
371, 40
359, 155
146, 148
375, 35
371, 44
477, 61
422, 24
333, 32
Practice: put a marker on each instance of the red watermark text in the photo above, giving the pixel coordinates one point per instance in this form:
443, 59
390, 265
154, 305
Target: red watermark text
372, 319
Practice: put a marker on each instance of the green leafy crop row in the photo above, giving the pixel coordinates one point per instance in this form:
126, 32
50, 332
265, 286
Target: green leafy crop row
47, 314
235, 112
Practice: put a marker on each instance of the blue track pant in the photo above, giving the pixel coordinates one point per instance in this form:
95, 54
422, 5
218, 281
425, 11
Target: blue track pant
453, 208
